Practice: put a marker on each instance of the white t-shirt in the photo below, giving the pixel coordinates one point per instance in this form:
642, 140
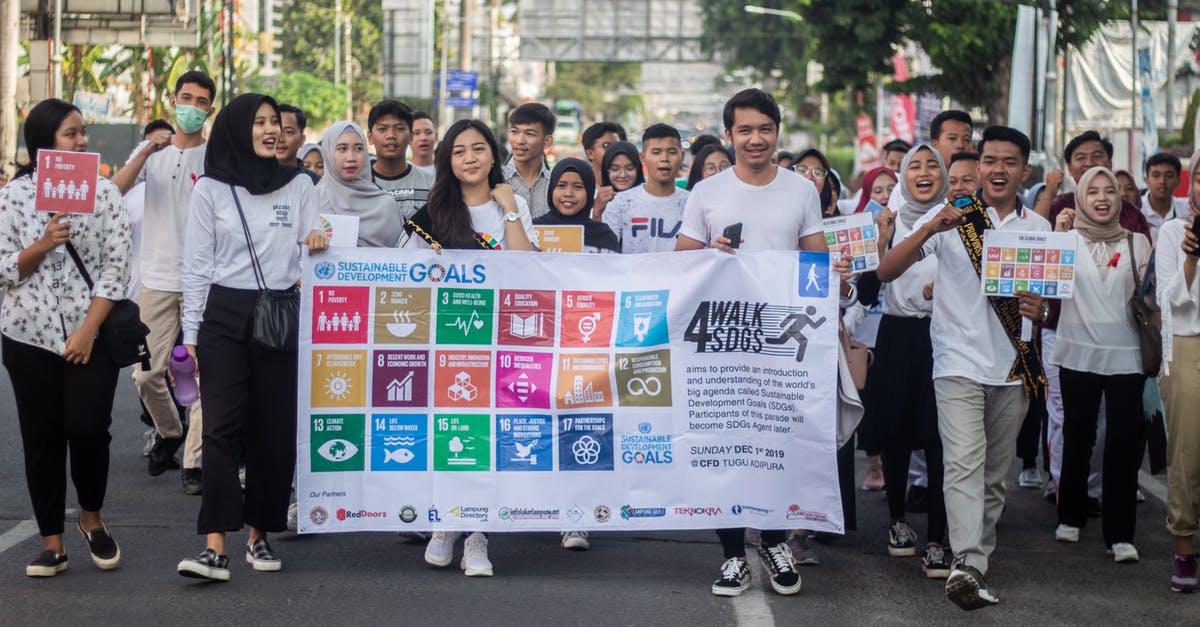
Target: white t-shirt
905, 297
135, 206
428, 169
774, 216
968, 339
488, 221
646, 223
169, 174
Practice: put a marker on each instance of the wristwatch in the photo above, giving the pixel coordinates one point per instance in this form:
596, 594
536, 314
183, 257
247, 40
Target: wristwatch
512, 216
1045, 310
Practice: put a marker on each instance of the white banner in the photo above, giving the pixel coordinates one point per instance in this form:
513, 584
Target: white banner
518, 391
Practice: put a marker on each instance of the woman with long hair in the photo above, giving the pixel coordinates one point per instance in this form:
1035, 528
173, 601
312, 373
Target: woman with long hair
62, 275
470, 206
248, 218
709, 161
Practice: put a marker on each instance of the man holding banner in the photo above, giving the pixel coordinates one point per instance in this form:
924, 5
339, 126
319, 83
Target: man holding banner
775, 209
983, 377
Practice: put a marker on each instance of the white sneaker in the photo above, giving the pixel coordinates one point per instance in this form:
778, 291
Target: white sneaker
1123, 553
149, 437
1030, 478
1066, 533
440, 550
475, 562
575, 540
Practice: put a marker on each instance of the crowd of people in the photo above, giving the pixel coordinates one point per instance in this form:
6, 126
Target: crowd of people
205, 231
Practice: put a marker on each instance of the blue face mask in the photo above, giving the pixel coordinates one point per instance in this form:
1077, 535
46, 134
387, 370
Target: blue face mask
189, 118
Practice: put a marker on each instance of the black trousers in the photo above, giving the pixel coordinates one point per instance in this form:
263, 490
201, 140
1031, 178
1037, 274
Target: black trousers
895, 473
1032, 436
63, 409
249, 404
733, 540
1124, 443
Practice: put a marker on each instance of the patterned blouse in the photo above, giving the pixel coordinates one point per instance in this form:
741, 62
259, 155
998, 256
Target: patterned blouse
48, 305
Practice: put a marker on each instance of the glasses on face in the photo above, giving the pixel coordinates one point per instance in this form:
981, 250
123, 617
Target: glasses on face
622, 169
817, 173
713, 168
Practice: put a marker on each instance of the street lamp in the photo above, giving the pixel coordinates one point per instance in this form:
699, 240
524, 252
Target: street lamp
757, 10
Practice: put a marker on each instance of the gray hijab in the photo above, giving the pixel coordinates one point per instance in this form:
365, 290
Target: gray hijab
380, 223
912, 210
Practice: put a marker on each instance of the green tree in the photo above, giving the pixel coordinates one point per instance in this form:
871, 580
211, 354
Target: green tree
771, 48
307, 42
855, 40
322, 101
597, 86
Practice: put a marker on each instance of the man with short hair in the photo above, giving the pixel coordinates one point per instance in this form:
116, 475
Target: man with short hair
647, 218
293, 122
530, 132
424, 140
389, 125
963, 174
1159, 203
893, 153
170, 165
1084, 152
779, 210
983, 372
596, 140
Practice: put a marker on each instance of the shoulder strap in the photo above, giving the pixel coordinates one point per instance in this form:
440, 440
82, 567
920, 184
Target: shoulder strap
259, 277
1137, 281
79, 264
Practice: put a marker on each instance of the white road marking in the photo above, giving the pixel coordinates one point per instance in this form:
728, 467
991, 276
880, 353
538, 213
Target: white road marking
1155, 486
23, 531
750, 609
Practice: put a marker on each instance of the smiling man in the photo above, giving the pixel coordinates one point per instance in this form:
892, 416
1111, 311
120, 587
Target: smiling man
389, 127
1159, 203
983, 373
530, 131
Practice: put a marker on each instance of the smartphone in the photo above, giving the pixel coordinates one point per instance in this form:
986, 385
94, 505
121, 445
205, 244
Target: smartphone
1195, 231
733, 233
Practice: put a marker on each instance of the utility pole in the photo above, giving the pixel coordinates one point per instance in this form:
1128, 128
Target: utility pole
1136, 93
443, 109
56, 59
10, 13
1172, 16
349, 70
337, 42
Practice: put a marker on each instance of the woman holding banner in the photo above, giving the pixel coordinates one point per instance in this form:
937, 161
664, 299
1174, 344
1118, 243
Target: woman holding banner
469, 208
248, 219
62, 376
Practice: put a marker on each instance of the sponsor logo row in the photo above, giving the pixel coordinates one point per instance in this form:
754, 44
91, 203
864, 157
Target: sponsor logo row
407, 514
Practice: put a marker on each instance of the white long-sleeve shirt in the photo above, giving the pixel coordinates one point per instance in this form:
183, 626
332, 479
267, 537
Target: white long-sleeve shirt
1178, 302
215, 251
51, 302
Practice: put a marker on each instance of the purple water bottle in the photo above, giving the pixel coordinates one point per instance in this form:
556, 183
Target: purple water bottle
183, 369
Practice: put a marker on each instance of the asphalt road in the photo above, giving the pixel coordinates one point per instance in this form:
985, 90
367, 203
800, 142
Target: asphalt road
626, 579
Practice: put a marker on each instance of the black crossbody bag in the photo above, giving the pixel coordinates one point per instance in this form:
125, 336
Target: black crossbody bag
123, 330
276, 312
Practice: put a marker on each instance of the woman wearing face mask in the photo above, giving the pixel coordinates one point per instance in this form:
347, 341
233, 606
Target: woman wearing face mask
877, 185
900, 407
1098, 352
621, 167
470, 206
347, 188
62, 377
248, 218
709, 161
571, 194
1179, 297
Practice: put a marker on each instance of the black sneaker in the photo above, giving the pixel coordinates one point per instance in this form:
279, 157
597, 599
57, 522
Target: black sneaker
781, 567
189, 481
918, 500
902, 540
934, 562
261, 557
734, 580
207, 565
967, 589
162, 456
106, 555
46, 564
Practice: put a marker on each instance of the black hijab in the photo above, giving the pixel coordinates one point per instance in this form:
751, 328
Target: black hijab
595, 233
621, 148
230, 155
